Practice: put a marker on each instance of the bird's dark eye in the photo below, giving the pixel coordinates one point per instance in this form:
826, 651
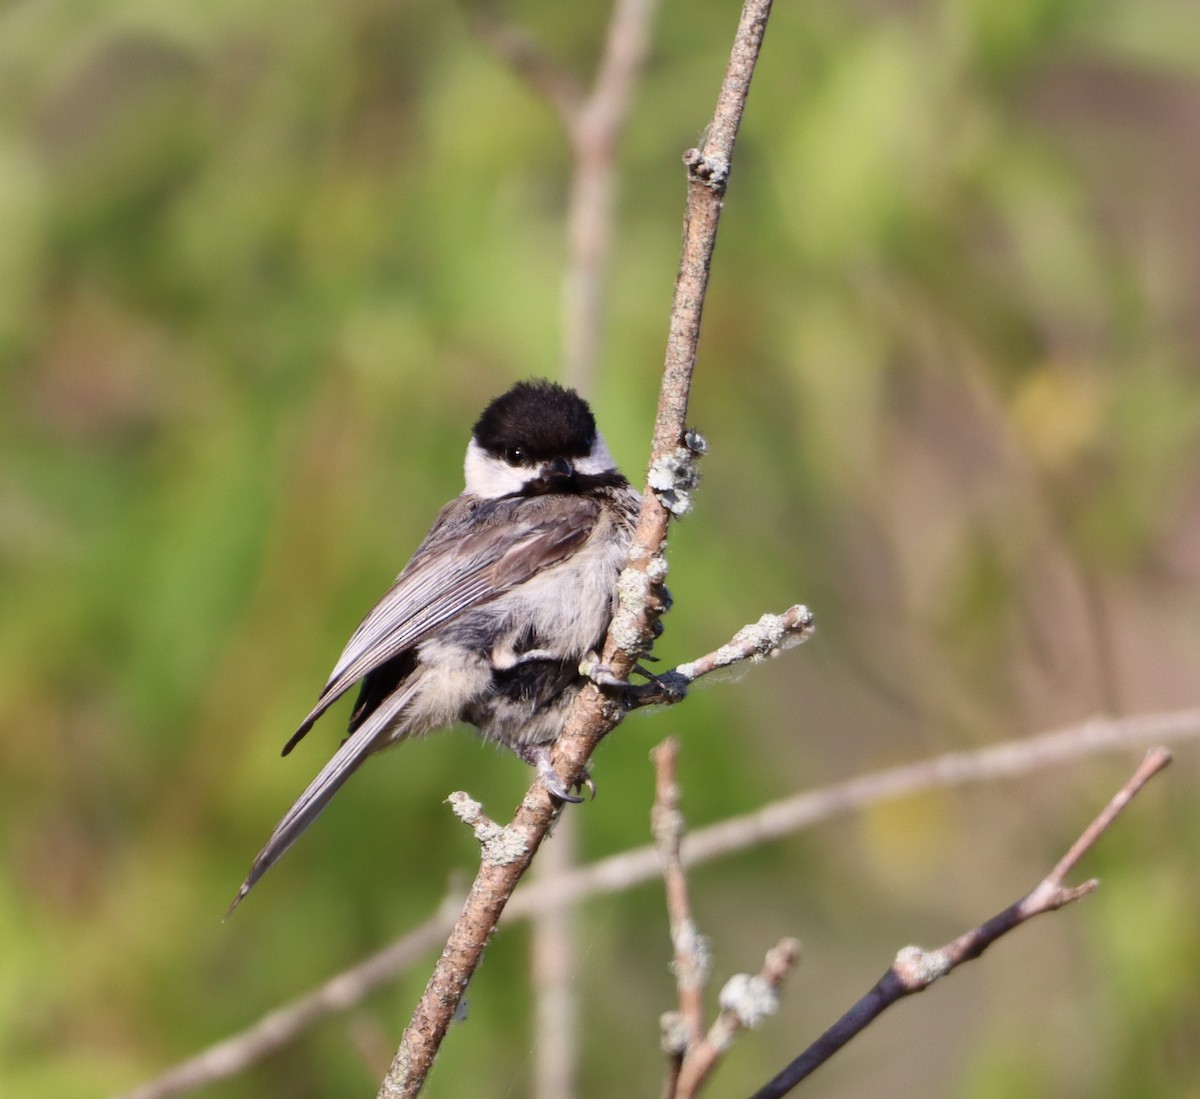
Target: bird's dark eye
514, 455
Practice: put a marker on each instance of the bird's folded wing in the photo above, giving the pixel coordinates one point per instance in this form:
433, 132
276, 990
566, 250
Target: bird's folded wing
452, 572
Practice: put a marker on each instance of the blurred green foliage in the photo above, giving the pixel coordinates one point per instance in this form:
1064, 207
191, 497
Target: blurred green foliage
262, 265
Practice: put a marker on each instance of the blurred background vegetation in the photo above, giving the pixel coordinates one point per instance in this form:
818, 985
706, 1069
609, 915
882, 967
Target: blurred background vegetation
261, 266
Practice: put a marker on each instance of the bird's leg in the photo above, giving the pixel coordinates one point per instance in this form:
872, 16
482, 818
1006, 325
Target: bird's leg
658, 689
538, 757
505, 657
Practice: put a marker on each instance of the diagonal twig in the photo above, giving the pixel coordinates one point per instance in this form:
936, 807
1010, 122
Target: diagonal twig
914, 969
547, 79
768, 637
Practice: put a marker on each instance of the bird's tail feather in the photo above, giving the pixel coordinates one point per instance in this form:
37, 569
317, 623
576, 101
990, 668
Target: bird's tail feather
308, 806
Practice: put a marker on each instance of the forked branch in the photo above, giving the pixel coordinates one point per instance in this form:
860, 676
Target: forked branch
628, 869
692, 1052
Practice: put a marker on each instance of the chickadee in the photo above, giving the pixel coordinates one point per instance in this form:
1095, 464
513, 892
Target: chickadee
489, 622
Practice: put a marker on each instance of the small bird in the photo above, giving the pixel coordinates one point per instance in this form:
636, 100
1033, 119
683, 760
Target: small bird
511, 591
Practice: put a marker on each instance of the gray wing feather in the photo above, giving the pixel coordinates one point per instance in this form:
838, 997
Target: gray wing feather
450, 573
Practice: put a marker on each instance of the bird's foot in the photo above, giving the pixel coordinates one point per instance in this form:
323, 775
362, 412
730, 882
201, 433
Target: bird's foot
590, 667
538, 757
665, 689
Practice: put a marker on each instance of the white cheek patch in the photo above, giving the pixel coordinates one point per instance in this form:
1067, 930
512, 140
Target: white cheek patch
489, 477
599, 460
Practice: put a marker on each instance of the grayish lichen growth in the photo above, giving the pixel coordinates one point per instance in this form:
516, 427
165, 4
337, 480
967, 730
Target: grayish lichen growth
656, 569
923, 966
498, 845
751, 999
673, 1033
634, 590
465, 807
674, 476
766, 637
712, 170
695, 948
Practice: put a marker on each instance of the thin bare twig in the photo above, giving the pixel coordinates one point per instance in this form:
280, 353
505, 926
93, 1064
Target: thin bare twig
552, 963
594, 122
914, 969
627, 869
691, 963
546, 78
1007, 759
745, 1001
595, 134
708, 176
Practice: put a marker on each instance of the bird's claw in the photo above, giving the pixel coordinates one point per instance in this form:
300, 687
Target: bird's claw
557, 788
539, 756
590, 667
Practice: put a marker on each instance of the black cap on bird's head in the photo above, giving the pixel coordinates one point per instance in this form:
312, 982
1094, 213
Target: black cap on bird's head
538, 420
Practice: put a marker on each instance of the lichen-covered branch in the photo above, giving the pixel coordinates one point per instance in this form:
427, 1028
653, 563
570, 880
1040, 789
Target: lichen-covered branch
595, 714
708, 175
768, 637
